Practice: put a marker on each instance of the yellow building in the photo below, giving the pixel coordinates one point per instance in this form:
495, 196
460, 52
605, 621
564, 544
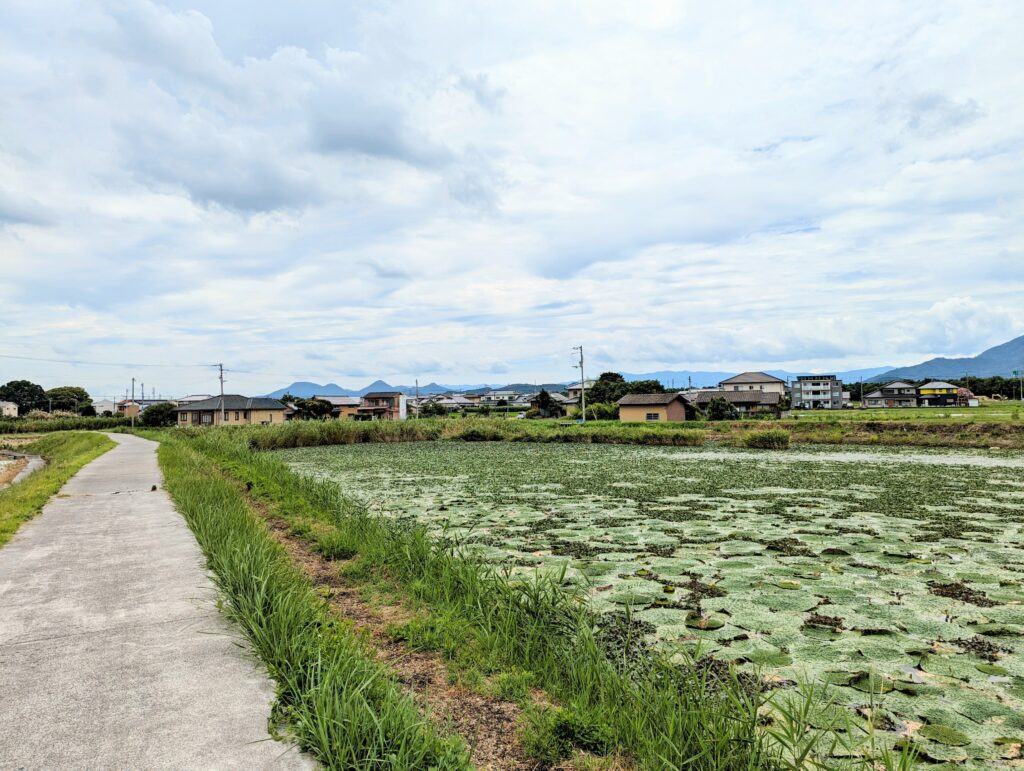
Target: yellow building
649, 408
235, 410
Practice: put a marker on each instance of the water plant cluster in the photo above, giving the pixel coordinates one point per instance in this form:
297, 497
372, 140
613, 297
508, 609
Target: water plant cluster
893, 582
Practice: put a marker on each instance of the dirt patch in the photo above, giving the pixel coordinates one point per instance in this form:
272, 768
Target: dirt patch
487, 724
958, 590
9, 469
979, 646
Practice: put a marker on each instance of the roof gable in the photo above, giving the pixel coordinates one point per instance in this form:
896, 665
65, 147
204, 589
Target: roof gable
753, 377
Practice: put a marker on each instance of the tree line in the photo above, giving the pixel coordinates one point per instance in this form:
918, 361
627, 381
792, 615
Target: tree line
31, 396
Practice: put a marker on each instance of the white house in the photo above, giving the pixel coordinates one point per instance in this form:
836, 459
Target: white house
104, 405
8, 410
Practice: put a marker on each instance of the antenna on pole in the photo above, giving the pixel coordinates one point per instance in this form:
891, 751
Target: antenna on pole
583, 385
221, 368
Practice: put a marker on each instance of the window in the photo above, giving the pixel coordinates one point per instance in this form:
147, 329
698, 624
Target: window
236, 414
183, 417
653, 416
245, 414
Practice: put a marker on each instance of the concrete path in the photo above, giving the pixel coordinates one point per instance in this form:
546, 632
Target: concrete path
112, 651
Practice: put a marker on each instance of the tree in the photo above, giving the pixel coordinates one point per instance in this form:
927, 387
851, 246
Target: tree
27, 395
720, 409
611, 386
433, 410
68, 398
313, 409
158, 415
544, 402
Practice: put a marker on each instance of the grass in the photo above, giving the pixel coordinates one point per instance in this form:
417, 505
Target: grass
47, 425
66, 453
610, 693
336, 701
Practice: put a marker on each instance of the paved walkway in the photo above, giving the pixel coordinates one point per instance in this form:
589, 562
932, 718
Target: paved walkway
112, 651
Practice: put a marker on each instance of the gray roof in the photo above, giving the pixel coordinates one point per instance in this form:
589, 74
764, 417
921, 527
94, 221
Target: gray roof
340, 401
938, 384
753, 377
642, 399
897, 384
740, 397
382, 394
232, 402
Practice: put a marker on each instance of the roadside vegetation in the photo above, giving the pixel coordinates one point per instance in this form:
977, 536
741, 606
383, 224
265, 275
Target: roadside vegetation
43, 425
589, 686
65, 454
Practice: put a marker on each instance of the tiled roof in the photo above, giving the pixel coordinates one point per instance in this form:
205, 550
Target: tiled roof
642, 399
232, 402
769, 398
753, 377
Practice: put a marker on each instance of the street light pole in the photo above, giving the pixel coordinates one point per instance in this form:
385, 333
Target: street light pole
583, 386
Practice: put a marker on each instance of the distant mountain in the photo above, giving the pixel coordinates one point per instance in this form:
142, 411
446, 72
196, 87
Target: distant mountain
305, 389
1001, 360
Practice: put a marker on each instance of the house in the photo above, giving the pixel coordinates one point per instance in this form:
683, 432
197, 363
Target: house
818, 392
192, 398
382, 405
454, 403
342, 407
754, 381
8, 410
745, 402
132, 408
493, 397
236, 410
103, 406
937, 393
558, 405
639, 408
895, 394
575, 390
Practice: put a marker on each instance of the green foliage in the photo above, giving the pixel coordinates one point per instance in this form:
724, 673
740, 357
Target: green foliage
46, 425
70, 398
27, 395
552, 735
720, 409
340, 704
158, 415
65, 454
433, 410
311, 409
611, 386
769, 439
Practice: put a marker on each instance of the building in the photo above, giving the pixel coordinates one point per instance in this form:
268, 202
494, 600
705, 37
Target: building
103, 406
558, 405
646, 408
132, 408
895, 394
576, 390
754, 381
192, 398
454, 403
937, 393
493, 397
818, 392
745, 402
342, 407
10, 410
382, 405
237, 410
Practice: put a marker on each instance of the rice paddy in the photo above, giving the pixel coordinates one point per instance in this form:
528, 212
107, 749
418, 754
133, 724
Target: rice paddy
894, 579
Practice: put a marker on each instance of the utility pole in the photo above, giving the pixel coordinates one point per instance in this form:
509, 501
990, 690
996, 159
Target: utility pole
221, 368
417, 398
133, 402
583, 385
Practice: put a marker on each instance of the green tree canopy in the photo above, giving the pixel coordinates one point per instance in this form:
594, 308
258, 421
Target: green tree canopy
720, 409
313, 409
158, 415
611, 386
72, 398
27, 395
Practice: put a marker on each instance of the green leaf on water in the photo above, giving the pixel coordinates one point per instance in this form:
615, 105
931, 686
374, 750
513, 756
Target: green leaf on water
944, 735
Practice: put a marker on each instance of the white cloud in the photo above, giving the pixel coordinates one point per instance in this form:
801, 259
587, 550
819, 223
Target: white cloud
374, 190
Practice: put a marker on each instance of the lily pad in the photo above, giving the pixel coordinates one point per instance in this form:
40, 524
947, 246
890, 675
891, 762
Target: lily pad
944, 735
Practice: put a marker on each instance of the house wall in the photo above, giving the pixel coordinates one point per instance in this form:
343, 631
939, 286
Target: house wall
8, 409
637, 413
256, 417
769, 387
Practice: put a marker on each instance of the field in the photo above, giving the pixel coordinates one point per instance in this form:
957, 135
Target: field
989, 411
894, 577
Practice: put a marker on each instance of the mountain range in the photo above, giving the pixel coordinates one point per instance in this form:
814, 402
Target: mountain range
1001, 360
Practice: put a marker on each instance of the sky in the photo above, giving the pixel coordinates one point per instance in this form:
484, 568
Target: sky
462, 191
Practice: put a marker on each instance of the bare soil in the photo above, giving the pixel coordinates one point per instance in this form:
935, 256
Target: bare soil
9, 469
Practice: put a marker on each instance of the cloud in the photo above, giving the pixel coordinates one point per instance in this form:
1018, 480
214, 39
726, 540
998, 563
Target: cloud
344, 192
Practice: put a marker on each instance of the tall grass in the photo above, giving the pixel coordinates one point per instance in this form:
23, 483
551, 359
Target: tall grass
340, 705
46, 425
65, 454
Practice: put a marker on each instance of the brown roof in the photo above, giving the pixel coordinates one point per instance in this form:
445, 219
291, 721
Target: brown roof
638, 399
382, 394
769, 398
753, 377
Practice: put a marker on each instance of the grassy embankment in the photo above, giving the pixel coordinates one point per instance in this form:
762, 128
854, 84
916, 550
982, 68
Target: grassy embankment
615, 695
47, 425
65, 454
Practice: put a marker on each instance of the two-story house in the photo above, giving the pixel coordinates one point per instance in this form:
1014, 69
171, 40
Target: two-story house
937, 393
754, 381
382, 405
895, 394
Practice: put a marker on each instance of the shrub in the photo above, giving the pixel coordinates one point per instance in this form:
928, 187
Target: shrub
720, 409
770, 439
